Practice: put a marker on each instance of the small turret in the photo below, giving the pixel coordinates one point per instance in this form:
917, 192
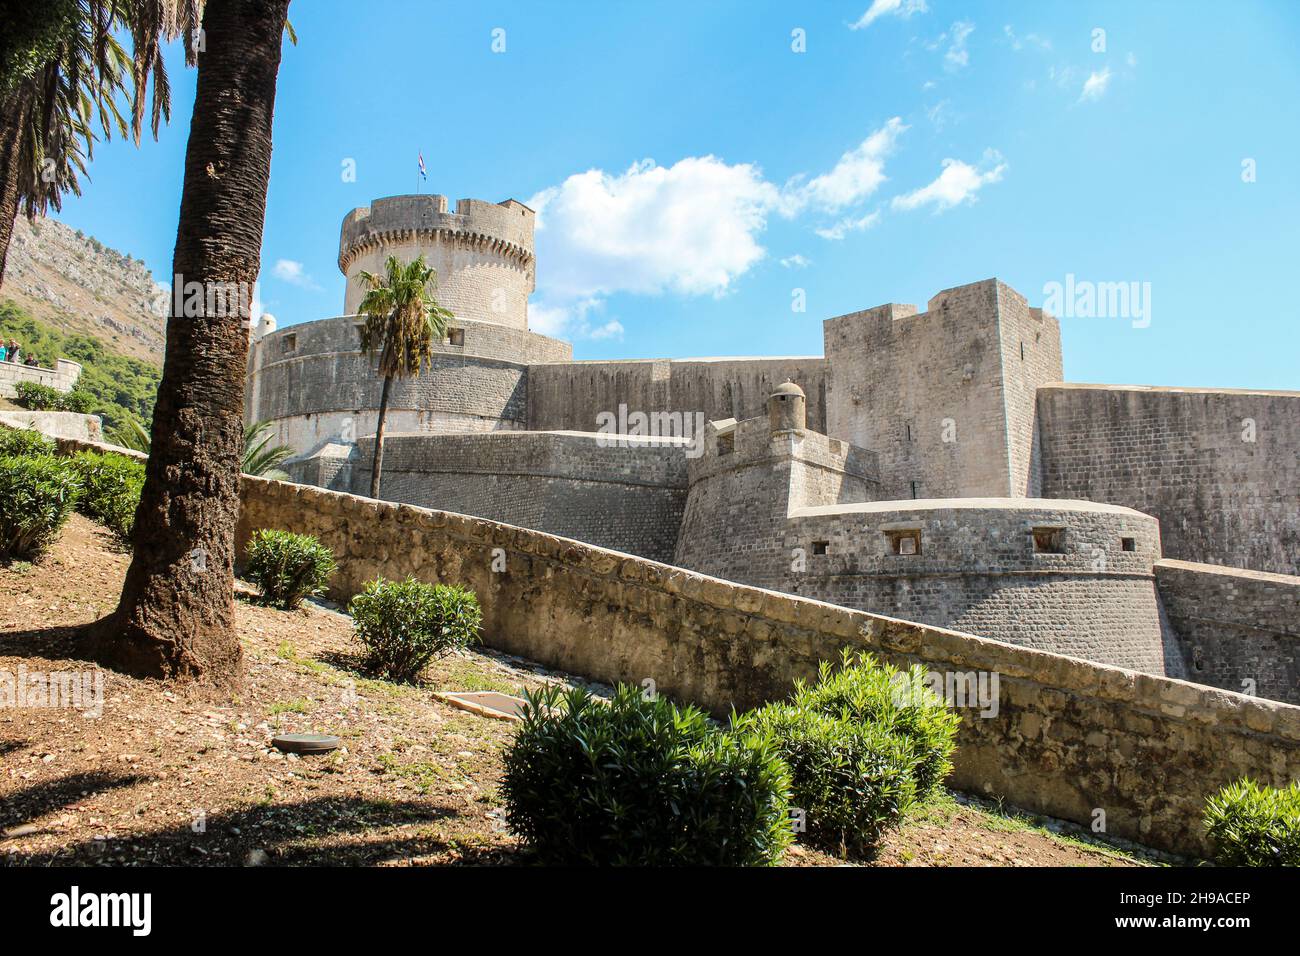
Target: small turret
787, 409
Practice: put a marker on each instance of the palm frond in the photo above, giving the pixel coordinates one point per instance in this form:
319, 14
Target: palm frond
403, 319
261, 458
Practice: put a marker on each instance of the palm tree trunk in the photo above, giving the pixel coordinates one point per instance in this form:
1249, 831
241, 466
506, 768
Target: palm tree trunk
13, 121
176, 614
378, 464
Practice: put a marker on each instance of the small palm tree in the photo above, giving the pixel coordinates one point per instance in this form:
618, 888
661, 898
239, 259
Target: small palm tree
403, 321
261, 458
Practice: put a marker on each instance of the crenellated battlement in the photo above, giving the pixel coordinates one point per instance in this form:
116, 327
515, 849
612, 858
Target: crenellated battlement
505, 228
482, 252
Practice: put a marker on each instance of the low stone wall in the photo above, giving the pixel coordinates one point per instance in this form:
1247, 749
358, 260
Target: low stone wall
1236, 629
1066, 738
57, 424
63, 377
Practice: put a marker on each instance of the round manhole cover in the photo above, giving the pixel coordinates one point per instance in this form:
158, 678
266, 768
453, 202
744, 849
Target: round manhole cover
305, 743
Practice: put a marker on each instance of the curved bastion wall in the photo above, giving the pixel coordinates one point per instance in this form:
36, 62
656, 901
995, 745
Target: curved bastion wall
313, 382
1070, 577
483, 252
774, 505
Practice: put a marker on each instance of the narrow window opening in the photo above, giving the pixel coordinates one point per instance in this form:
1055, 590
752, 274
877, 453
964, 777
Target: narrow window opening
914, 489
821, 547
726, 444
456, 337
1049, 540
904, 542
289, 344
1022, 351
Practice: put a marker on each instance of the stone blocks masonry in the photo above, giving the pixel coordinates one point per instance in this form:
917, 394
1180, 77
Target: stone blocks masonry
930, 465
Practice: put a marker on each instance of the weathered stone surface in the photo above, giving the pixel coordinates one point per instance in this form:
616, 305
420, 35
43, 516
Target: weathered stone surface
1066, 737
1236, 629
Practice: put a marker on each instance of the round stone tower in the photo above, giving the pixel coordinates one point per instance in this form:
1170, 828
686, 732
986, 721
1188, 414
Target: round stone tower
483, 252
787, 408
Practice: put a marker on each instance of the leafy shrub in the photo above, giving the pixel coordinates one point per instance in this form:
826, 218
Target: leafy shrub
867, 692
406, 624
37, 397
288, 567
25, 442
853, 782
77, 401
641, 782
37, 494
111, 489
1254, 825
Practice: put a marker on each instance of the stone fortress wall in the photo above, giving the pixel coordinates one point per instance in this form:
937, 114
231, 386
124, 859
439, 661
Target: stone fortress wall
1219, 468
313, 382
946, 396
1235, 629
628, 497
776, 505
1061, 736
951, 425
570, 395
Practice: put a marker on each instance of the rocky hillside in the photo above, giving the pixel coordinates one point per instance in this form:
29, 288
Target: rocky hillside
78, 284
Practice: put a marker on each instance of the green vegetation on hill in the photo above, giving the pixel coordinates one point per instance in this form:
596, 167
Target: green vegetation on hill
123, 388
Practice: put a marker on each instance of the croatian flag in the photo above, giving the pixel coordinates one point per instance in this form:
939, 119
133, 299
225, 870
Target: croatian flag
423, 173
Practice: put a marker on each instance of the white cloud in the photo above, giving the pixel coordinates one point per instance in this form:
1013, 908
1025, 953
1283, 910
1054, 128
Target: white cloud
613, 329
572, 320
1028, 40
857, 175
294, 273
958, 183
881, 8
958, 56
848, 225
691, 228
1094, 87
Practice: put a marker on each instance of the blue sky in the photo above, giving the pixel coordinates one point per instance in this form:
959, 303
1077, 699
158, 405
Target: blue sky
693, 170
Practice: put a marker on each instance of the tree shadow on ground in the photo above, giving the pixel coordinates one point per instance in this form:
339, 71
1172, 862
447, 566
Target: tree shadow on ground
44, 798
48, 643
327, 831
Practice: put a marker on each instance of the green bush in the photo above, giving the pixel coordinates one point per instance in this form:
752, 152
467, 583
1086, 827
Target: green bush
641, 782
37, 397
111, 489
288, 567
406, 624
24, 443
867, 692
853, 782
77, 401
37, 494
1254, 825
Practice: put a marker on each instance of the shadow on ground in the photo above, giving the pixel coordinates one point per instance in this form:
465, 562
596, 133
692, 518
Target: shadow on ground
340, 831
